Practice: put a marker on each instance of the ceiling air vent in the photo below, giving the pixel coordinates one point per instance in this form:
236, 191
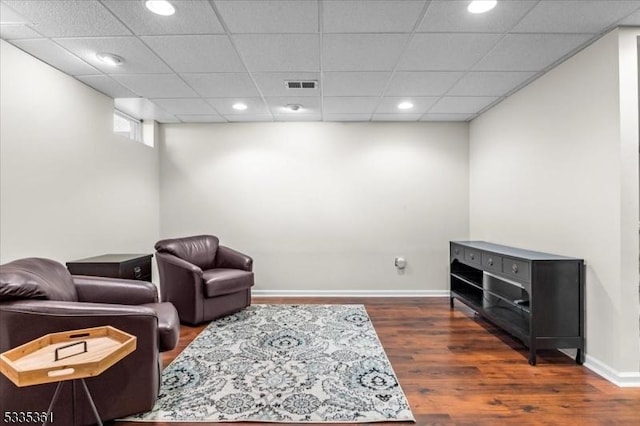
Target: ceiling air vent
301, 84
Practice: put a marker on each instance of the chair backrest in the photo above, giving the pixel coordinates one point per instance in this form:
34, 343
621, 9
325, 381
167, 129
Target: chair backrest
200, 249
36, 278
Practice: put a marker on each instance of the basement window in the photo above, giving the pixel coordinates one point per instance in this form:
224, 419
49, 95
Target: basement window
127, 126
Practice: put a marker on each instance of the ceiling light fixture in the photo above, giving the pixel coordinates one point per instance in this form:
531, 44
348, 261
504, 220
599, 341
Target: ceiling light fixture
239, 106
160, 7
405, 105
110, 59
481, 6
294, 107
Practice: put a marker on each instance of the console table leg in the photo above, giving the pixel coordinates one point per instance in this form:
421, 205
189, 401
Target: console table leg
56, 394
93, 405
532, 357
580, 357
451, 302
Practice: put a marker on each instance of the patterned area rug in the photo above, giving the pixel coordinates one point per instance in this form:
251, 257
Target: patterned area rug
283, 363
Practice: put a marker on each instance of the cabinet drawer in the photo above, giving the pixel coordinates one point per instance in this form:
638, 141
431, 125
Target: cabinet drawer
139, 269
491, 262
457, 252
473, 256
516, 269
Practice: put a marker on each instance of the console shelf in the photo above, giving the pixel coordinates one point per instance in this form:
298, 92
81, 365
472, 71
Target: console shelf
536, 297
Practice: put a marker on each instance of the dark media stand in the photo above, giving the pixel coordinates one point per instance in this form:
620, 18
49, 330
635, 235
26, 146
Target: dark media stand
536, 297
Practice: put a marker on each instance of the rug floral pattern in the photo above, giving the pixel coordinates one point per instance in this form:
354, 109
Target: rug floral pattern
283, 363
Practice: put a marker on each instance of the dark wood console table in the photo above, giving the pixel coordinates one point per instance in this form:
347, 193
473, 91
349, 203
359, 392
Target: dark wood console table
536, 297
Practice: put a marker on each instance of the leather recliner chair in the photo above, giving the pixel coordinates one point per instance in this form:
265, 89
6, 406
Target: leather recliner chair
203, 279
39, 296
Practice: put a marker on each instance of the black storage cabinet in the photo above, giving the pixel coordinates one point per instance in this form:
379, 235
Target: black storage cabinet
536, 297
128, 266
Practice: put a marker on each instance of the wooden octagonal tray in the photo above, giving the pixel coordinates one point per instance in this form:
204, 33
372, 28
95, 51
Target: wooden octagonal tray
66, 355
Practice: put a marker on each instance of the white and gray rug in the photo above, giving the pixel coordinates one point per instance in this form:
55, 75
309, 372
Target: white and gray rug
283, 363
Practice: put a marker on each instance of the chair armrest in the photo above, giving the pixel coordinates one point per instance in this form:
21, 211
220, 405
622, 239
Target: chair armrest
25, 320
180, 263
114, 290
230, 258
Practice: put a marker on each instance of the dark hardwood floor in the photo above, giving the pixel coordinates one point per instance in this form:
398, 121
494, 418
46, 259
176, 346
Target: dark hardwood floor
457, 369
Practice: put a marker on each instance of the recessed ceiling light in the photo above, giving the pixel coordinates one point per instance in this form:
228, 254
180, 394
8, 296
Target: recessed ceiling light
239, 106
160, 7
110, 59
294, 107
405, 105
481, 6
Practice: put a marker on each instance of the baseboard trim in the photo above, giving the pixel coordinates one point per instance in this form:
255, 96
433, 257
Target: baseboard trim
621, 379
350, 293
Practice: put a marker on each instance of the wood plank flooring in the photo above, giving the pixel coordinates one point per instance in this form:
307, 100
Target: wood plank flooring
457, 369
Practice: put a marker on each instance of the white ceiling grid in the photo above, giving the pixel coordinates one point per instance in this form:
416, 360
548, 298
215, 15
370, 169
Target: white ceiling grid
366, 55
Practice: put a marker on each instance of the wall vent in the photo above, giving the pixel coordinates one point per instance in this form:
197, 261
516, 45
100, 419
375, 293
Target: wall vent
309, 84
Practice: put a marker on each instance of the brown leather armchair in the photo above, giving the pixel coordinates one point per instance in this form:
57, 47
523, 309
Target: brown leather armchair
203, 279
39, 296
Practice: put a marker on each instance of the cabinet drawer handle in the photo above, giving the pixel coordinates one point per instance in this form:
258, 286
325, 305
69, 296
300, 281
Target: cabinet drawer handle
514, 268
490, 262
137, 271
457, 251
471, 256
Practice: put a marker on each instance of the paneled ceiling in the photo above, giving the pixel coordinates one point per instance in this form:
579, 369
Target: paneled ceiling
367, 56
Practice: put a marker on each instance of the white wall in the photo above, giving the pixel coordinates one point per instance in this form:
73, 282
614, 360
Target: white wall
69, 187
555, 168
322, 206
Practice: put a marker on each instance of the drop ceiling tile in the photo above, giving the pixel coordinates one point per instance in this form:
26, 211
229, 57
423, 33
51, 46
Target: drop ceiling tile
64, 18
339, 16
54, 55
426, 83
350, 105
248, 118
298, 117
280, 52
201, 118
633, 19
138, 58
446, 117
274, 16
362, 52
144, 109
106, 85
529, 52
347, 117
136, 107
461, 104
222, 85
10, 17
310, 105
156, 85
389, 105
354, 83
224, 106
191, 17
168, 119
11, 32
446, 52
273, 83
203, 53
576, 16
193, 106
453, 16
489, 83
396, 117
